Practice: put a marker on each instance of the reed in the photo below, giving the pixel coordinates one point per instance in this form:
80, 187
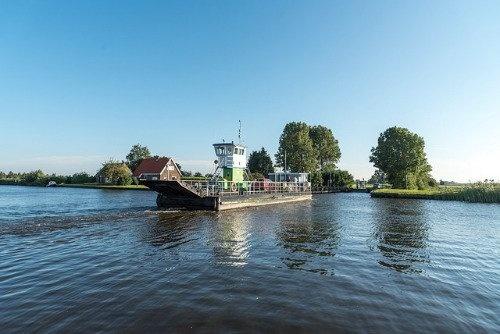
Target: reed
475, 193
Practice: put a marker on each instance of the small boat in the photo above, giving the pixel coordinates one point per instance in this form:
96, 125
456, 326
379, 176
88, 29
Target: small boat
51, 184
228, 189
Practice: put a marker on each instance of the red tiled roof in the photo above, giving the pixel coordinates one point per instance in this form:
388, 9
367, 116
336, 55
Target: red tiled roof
151, 165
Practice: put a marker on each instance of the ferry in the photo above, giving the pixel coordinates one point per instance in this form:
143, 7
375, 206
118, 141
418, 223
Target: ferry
230, 187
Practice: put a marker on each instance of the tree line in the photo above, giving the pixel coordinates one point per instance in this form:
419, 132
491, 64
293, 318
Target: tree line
38, 177
399, 157
305, 148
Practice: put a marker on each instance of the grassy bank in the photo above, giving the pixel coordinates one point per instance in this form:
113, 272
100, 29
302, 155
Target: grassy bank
75, 185
104, 186
473, 193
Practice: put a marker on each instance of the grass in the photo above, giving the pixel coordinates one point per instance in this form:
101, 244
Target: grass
104, 186
10, 182
476, 193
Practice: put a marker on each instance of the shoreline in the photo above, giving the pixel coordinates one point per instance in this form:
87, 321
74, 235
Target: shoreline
80, 185
460, 194
465, 194
105, 186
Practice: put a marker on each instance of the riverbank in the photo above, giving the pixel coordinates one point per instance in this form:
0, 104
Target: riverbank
76, 185
105, 186
472, 194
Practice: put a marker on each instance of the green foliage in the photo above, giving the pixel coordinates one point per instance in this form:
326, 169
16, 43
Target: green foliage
331, 179
124, 180
36, 176
298, 145
400, 154
316, 180
80, 178
39, 178
478, 193
260, 162
308, 148
256, 176
432, 182
378, 177
136, 155
326, 146
116, 173
338, 179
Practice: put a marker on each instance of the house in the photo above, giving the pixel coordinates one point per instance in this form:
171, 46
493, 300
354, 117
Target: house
157, 168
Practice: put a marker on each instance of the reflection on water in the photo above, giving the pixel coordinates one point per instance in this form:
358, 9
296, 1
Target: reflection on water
169, 230
229, 238
306, 239
343, 262
226, 234
401, 233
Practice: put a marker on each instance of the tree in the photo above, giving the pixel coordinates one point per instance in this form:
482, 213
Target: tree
81, 178
326, 146
36, 176
400, 154
378, 177
256, 176
116, 172
334, 178
342, 179
136, 155
296, 143
260, 162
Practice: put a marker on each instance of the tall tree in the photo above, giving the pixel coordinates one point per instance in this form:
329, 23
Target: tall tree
260, 162
400, 154
378, 177
136, 155
116, 172
296, 142
326, 146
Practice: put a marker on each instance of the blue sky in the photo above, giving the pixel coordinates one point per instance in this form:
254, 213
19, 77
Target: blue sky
83, 81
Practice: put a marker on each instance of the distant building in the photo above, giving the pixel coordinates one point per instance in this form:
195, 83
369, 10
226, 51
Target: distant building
360, 184
157, 168
288, 177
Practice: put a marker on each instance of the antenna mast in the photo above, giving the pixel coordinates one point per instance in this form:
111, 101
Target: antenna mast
239, 131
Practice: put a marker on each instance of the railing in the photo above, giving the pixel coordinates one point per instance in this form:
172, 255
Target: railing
221, 188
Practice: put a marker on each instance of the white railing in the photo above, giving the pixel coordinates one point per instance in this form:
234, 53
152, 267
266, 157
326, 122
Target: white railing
221, 188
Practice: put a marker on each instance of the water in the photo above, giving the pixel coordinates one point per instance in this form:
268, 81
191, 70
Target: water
94, 260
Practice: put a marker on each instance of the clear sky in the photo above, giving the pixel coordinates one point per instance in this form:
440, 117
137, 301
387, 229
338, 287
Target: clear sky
82, 81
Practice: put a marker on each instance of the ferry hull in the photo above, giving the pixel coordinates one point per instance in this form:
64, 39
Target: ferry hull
175, 195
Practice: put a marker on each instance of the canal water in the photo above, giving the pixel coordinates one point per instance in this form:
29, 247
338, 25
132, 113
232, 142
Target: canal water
85, 260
